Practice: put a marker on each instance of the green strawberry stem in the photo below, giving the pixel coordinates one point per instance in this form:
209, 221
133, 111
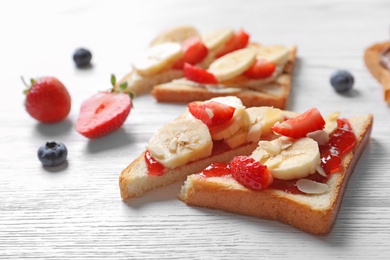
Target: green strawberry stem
122, 88
28, 87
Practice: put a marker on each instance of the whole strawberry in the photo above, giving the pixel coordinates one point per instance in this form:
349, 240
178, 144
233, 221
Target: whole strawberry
47, 100
104, 112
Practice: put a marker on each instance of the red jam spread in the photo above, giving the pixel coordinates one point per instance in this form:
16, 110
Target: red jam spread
341, 141
154, 167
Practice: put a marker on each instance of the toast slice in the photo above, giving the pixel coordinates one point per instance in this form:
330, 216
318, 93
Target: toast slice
271, 91
161, 63
312, 213
372, 59
188, 145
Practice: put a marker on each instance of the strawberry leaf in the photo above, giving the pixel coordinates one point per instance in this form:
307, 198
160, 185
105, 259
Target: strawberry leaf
113, 80
123, 85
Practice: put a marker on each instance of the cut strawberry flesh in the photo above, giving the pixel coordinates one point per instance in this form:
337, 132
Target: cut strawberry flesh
300, 126
102, 114
198, 75
260, 69
238, 41
211, 113
194, 52
250, 173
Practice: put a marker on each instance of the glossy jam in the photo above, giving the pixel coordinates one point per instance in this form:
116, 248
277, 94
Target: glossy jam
154, 167
340, 143
216, 170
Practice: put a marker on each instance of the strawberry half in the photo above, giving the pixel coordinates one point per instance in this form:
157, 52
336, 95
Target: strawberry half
211, 113
301, 125
103, 113
250, 173
47, 100
198, 75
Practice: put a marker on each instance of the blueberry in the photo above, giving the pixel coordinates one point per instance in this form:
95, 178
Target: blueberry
342, 80
52, 153
82, 57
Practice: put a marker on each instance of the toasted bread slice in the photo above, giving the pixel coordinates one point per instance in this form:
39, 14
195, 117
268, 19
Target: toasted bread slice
134, 180
187, 145
139, 84
269, 92
311, 213
372, 57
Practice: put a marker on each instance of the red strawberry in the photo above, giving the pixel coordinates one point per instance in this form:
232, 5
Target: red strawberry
211, 113
260, 69
47, 100
198, 75
194, 51
103, 113
301, 125
250, 173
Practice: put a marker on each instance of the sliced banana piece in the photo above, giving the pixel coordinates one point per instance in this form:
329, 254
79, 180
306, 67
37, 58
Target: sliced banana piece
240, 119
237, 139
232, 64
292, 161
262, 119
180, 142
276, 54
176, 34
217, 38
331, 122
158, 58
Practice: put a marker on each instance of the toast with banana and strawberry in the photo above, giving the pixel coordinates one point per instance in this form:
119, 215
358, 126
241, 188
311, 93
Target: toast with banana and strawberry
260, 75
297, 178
207, 131
377, 60
168, 52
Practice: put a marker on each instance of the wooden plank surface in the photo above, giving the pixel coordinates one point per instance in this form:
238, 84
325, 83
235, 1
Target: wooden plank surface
76, 212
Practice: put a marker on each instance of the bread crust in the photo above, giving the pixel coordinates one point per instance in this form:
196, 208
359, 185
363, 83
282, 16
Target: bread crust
134, 180
311, 213
372, 60
274, 93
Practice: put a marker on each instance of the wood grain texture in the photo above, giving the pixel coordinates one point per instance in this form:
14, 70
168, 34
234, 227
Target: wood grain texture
75, 211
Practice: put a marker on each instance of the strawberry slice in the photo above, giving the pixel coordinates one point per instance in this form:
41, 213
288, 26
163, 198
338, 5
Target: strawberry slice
198, 75
301, 125
250, 173
211, 113
194, 52
260, 69
238, 41
103, 113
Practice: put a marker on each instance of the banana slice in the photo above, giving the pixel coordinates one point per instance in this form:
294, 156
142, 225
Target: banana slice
331, 123
287, 159
216, 39
276, 54
176, 34
158, 58
180, 142
239, 138
262, 119
240, 119
232, 64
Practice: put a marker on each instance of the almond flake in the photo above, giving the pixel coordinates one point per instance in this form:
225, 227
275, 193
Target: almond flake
321, 171
311, 187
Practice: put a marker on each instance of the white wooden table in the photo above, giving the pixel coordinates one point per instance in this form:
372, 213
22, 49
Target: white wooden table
76, 212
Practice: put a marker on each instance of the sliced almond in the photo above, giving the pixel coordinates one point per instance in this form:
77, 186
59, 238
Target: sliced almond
311, 187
